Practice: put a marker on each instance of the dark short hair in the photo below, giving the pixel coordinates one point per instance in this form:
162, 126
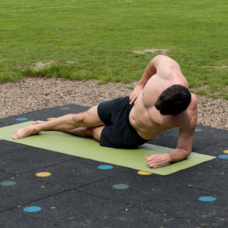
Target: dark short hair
174, 100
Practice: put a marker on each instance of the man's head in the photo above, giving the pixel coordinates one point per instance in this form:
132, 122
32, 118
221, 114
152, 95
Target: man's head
174, 100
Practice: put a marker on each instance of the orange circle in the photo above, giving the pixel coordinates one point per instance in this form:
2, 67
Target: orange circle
51, 118
43, 174
225, 151
144, 173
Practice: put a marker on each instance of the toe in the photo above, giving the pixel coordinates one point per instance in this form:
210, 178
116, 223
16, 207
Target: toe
15, 135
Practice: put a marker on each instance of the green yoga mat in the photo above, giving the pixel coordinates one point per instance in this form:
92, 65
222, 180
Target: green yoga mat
90, 149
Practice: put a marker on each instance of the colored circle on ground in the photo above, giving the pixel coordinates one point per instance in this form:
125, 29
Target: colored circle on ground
224, 156
198, 130
65, 108
43, 174
225, 151
21, 119
144, 173
52, 118
32, 209
120, 186
105, 167
8, 183
207, 198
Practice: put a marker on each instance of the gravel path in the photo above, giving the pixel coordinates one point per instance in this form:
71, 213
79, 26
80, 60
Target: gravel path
38, 93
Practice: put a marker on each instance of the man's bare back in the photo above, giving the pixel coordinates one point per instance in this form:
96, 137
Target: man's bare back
161, 73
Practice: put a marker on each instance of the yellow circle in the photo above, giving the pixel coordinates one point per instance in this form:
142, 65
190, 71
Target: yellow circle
144, 173
225, 151
43, 174
51, 118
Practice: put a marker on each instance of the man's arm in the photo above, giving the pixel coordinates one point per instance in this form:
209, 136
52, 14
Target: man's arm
185, 140
184, 148
151, 70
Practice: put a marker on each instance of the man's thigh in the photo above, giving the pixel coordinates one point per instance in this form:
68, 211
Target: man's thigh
96, 132
91, 118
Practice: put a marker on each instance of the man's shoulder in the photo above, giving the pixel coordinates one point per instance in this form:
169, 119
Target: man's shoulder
188, 118
193, 103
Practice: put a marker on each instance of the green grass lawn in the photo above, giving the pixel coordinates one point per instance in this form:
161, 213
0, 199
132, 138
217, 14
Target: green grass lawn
100, 36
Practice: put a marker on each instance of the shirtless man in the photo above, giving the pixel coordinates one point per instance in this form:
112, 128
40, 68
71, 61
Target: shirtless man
159, 102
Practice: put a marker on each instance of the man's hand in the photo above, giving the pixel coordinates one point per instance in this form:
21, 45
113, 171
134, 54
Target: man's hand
134, 95
158, 160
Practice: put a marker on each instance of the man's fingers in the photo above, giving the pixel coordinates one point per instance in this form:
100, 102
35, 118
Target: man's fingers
151, 158
132, 98
152, 165
151, 162
130, 101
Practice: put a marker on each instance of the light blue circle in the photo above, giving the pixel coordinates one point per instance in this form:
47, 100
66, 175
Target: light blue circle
223, 156
104, 167
207, 198
32, 209
21, 119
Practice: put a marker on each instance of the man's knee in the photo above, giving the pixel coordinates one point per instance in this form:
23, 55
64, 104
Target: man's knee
82, 118
79, 118
90, 118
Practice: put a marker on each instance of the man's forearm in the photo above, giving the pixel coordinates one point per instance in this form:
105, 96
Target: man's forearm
178, 155
148, 73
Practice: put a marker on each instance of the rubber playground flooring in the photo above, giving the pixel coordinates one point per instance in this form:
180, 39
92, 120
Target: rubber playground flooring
41, 188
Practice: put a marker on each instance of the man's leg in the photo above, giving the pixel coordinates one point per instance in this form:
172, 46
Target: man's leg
93, 132
89, 118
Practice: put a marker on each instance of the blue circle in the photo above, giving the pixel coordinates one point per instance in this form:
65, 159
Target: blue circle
21, 119
32, 209
207, 198
104, 167
223, 156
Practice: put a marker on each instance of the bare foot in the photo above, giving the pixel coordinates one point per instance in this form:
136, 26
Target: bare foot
38, 122
24, 132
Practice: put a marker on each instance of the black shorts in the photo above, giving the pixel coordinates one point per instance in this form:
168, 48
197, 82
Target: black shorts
118, 132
